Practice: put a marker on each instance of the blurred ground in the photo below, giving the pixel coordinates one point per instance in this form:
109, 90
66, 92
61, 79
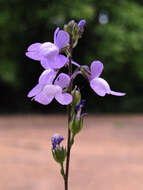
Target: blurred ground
108, 153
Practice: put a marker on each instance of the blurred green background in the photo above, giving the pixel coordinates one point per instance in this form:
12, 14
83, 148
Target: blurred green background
113, 35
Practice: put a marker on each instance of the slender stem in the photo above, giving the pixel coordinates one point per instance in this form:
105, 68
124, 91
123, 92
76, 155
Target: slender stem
69, 118
62, 170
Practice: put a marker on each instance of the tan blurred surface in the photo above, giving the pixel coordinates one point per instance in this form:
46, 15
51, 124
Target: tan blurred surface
108, 153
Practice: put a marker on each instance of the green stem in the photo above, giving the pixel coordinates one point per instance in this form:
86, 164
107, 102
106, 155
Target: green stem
62, 170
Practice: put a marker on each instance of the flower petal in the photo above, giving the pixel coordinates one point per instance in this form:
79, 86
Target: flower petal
96, 69
64, 98
62, 80
44, 63
117, 93
42, 98
61, 39
100, 86
57, 61
34, 47
55, 34
34, 55
33, 51
47, 77
36, 90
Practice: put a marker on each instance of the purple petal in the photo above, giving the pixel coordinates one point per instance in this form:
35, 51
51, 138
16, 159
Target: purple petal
61, 39
34, 47
64, 98
47, 77
57, 62
55, 34
34, 55
62, 80
117, 93
44, 63
96, 69
81, 23
100, 86
36, 90
42, 98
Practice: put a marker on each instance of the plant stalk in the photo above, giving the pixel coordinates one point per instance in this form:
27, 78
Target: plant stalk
69, 118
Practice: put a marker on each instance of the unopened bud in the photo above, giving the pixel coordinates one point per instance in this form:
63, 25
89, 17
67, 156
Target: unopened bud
59, 154
69, 27
76, 97
81, 26
76, 125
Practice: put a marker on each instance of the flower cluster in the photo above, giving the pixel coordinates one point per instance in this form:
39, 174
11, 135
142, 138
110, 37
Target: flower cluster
50, 85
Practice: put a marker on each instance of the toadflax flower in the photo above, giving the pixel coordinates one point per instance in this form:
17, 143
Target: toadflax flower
56, 140
99, 85
45, 91
49, 53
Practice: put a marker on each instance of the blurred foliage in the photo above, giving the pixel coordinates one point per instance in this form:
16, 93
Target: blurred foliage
114, 35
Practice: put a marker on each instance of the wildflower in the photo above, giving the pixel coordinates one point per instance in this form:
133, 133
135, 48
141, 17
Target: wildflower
49, 53
99, 85
45, 91
56, 140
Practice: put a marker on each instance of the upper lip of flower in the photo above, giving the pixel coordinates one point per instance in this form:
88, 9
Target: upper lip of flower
49, 53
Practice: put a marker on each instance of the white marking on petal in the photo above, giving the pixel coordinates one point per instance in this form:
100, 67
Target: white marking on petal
49, 49
52, 90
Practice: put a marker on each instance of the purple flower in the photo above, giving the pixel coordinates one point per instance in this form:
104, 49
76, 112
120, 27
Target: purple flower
45, 91
49, 53
56, 140
99, 85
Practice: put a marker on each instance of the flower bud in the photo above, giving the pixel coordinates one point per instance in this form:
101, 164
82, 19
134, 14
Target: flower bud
76, 97
59, 154
73, 29
56, 140
76, 123
81, 26
70, 27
